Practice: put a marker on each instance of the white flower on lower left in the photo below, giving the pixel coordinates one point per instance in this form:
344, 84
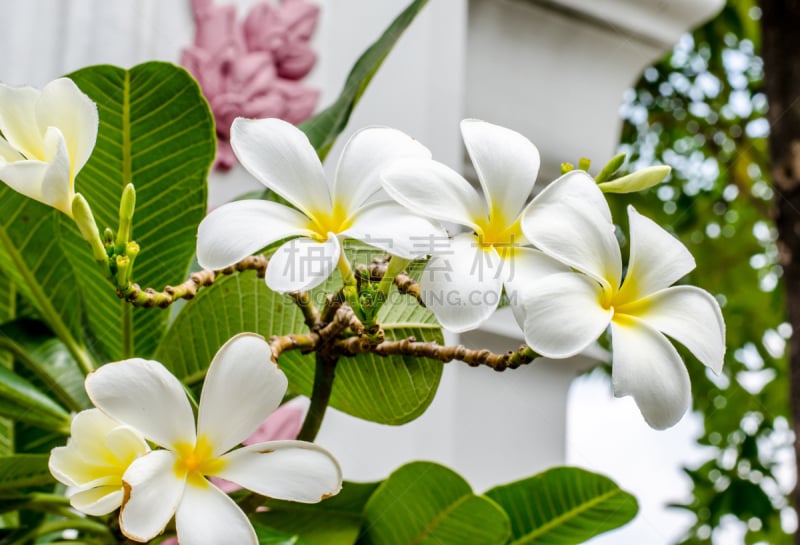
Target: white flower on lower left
242, 387
96, 456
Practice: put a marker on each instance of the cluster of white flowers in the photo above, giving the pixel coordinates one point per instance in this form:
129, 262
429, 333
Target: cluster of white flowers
557, 257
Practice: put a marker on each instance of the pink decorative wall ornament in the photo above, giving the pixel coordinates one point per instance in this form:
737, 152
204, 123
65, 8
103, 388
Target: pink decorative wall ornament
252, 69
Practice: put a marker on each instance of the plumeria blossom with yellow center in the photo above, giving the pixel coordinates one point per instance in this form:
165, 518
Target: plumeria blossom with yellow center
48, 136
92, 463
566, 312
280, 156
241, 388
463, 281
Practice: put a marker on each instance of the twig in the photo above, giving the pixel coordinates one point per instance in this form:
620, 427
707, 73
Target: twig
148, 297
411, 347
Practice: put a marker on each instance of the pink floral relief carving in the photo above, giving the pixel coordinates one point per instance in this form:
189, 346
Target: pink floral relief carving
253, 69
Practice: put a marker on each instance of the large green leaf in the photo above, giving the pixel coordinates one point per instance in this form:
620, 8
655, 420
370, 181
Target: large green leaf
390, 390
23, 470
423, 503
335, 521
8, 300
23, 402
156, 131
32, 258
47, 361
563, 506
323, 128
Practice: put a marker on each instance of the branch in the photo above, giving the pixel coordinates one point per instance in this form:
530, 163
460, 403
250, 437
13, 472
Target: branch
148, 297
408, 286
411, 347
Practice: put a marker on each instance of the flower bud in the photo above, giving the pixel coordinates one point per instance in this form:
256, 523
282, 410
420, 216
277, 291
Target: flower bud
636, 181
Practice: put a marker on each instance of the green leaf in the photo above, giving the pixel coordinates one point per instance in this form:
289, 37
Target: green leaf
21, 470
47, 360
563, 506
269, 536
22, 401
391, 390
8, 310
423, 503
32, 257
323, 128
156, 131
335, 521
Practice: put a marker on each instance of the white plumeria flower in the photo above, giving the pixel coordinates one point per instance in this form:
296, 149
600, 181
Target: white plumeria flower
49, 136
280, 156
566, 312
97, 454
242, 387
463, 281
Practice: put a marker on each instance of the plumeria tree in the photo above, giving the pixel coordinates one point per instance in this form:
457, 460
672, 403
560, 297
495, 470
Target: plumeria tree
123, 422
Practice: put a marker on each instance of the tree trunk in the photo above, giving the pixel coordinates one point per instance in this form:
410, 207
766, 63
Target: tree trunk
781, 52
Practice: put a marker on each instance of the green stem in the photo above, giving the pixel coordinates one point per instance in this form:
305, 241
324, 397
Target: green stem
45, 306
324, 373
127, 330
350, 288
396, 266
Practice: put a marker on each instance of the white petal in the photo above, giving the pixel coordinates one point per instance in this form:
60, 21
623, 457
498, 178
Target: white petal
657, 259
507, 164
433, 189
68, 466
368, 152
395, 229
25, 177
153, 491
280, 156
126, 444
287, 470
86, 461
302, 264
89, 428
239, 229
647, 367
97, 501
8, 153
462, 284
57, 183
578, 235
208, 516
18, 120
689, 315
575, 187
524, 268
144, 395
241, 389
66, 107
563, 314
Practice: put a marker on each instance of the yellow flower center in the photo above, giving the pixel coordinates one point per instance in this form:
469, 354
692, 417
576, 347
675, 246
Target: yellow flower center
495, 232
196, 461
329, 221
